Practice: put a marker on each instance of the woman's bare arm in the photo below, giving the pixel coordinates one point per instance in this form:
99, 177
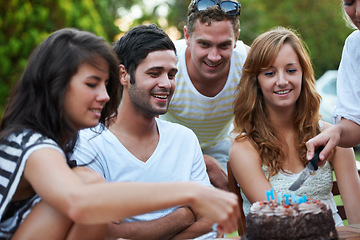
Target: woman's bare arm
60, 187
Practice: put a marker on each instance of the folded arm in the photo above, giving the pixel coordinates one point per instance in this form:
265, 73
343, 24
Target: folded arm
162, 228
201, 226
47, 172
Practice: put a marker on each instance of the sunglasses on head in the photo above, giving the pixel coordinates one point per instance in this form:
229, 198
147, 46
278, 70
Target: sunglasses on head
229, 7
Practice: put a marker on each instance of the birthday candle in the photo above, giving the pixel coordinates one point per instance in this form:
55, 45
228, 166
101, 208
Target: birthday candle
287, 196
270, 195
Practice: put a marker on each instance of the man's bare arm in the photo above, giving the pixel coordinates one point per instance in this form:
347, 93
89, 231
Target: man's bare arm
216, 173
162, 228
201, 226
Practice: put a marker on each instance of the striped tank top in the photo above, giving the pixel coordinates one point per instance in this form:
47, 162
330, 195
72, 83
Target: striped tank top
209, 117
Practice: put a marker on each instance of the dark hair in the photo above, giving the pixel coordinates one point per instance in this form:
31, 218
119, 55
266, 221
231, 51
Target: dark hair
208, 15
132, 48
37, 101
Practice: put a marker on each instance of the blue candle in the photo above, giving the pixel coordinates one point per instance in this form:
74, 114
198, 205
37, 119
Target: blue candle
287, 196
270, 195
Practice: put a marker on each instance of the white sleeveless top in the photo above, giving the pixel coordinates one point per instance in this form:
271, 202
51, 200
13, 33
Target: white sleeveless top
317, 186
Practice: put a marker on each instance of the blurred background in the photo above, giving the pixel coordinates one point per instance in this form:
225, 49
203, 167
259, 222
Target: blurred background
26, 23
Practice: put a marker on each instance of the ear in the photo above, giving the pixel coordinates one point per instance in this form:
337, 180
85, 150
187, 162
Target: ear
187, 36
236, 39
123, 75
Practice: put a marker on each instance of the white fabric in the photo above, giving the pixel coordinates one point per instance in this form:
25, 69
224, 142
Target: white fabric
209, 117
348, 82
317, 186
177, 158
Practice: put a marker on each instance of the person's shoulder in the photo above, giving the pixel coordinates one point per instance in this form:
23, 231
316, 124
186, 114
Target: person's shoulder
353, 39
29, 137
243, 151
241, 50
240, 46
180, 45
355, 34
242, 145
89, 133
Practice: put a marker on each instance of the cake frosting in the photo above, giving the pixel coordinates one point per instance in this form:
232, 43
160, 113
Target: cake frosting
272, 220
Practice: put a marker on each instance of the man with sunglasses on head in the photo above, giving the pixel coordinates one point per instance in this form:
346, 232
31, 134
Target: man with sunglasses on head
210, 61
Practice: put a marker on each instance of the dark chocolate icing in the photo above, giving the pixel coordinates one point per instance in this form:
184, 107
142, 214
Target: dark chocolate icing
312, 221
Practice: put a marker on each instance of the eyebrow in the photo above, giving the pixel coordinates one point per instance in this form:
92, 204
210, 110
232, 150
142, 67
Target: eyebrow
161, 68
94, 77
228, 41
289, 64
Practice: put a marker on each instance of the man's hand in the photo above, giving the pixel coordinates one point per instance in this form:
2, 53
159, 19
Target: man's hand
329, 138
162, 228
345, 133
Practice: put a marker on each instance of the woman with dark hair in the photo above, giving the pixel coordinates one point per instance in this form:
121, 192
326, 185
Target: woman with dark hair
276, 112
71, 82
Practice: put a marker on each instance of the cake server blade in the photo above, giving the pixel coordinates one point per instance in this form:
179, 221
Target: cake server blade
310, 168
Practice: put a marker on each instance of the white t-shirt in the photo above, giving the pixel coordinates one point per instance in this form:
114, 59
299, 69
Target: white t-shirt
348, 82
177, 158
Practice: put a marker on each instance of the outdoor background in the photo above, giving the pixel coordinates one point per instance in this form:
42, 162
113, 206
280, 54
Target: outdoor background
25, 23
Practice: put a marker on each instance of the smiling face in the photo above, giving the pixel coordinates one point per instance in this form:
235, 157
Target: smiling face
210, 48
86, 95
281, 82
352, 9
154, 83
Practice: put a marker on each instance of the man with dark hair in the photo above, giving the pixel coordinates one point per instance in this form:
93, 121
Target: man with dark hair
210, 61
140, 147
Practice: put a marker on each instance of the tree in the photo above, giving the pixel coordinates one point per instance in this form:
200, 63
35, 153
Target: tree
319, 23
23, 26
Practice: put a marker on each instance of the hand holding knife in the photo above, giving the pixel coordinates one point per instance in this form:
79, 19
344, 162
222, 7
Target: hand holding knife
311, 167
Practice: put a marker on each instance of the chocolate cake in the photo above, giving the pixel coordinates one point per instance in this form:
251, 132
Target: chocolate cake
309, 220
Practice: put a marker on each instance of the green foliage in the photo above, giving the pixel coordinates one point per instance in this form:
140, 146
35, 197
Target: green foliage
24, 24
319, 23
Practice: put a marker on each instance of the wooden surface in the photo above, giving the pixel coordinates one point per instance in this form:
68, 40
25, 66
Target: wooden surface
349, 232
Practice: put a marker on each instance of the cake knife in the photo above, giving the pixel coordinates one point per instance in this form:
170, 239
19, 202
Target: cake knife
310, 168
